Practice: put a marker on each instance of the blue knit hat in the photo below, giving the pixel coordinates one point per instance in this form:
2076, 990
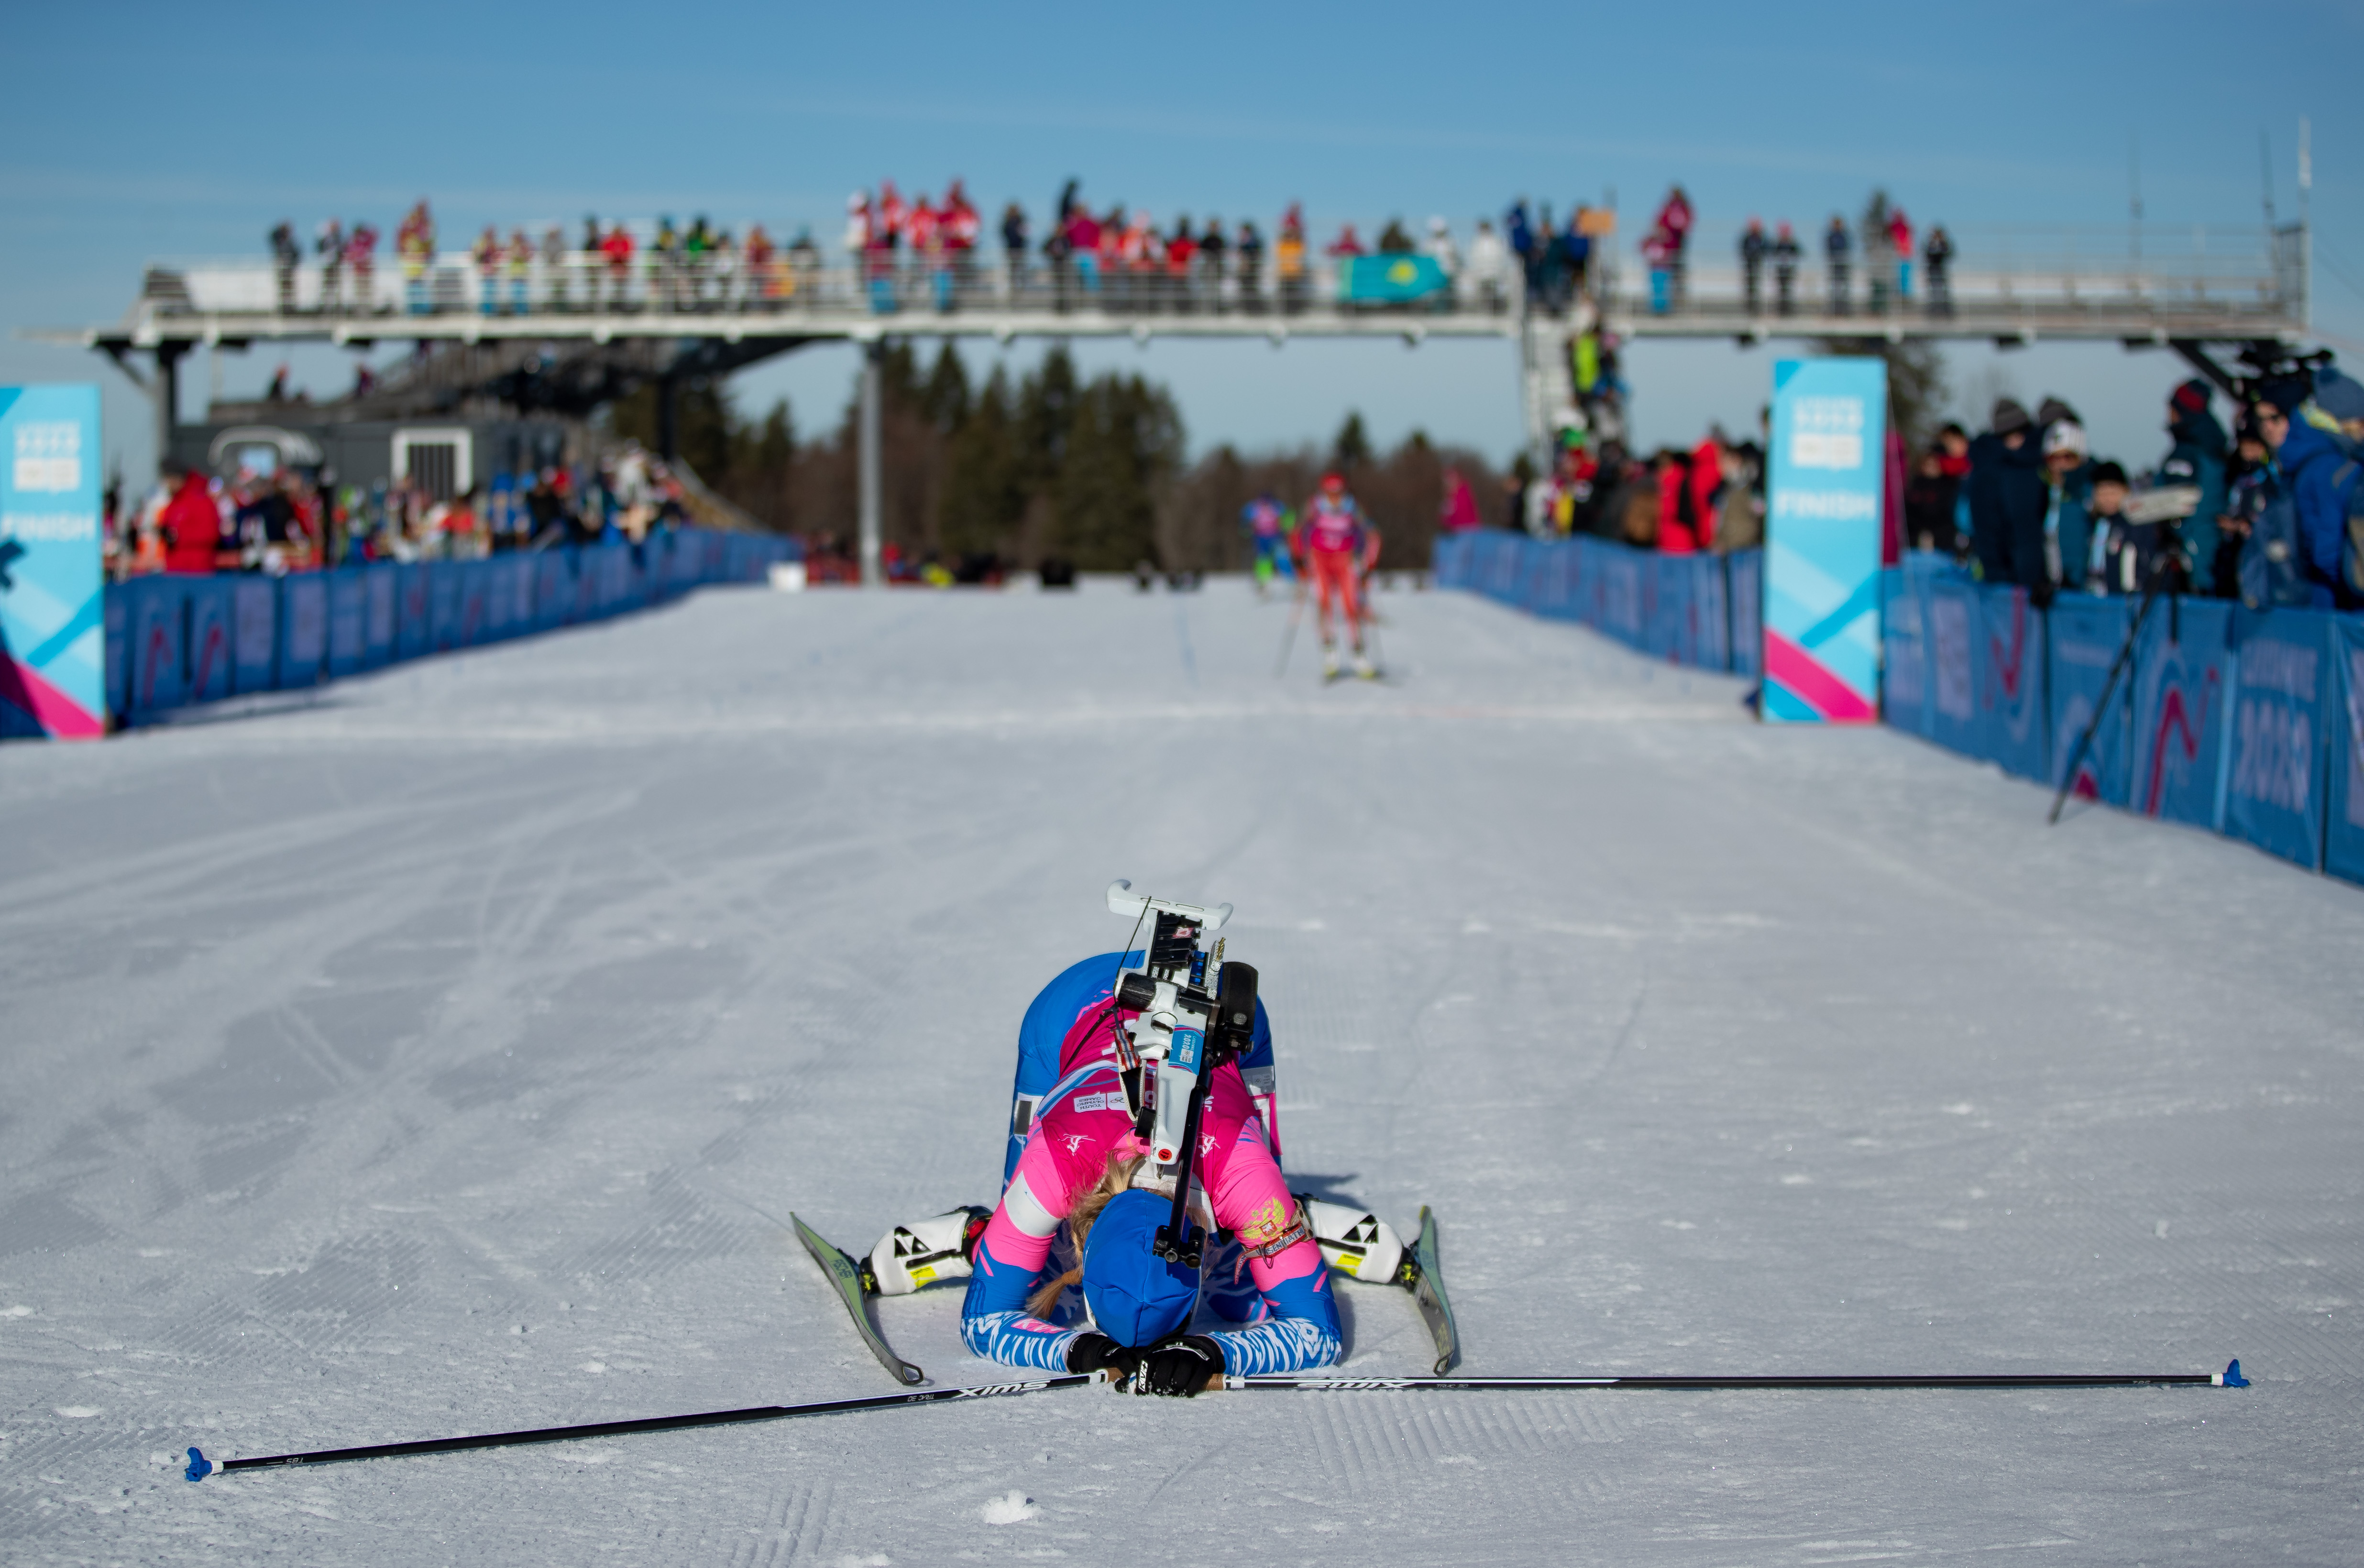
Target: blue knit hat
1136, 1296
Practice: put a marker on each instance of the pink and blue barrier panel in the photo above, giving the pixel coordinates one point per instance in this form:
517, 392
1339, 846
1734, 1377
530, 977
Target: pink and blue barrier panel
2246, 723
173, 641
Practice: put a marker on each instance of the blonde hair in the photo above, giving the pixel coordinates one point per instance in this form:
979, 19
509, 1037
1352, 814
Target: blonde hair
1114, 1178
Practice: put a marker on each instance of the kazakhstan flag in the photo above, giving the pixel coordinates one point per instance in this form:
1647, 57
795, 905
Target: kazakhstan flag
1392, 280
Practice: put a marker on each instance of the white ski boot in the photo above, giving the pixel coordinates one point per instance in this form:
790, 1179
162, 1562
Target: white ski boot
1364, 668
1352, 1240
926, 1251
1328, 664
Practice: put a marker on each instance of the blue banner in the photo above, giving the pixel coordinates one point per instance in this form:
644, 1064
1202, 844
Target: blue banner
1954, 629
303, 630
1748, 612
1666, 606
254, 635
1821, 542
1904, 653
2274, 797
2011, 682
414, 619
158, 616
53, 589
1391, 279
118, 655
2180, 690
1711, 614
210, 651
2086, 635
384, 599
2343, 845
347, 623
442, 605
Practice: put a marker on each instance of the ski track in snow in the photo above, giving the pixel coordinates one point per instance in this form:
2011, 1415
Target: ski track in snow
436, 1055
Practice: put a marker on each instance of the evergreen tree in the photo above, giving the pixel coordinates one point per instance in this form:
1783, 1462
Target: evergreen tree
944, 399
984, 482
1123, 446
1353, 446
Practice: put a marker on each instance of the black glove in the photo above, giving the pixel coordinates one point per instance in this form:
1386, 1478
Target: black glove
1090, 1352
1179, 1368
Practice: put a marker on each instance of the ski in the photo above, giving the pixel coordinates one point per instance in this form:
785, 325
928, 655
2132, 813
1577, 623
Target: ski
200, 1466
2229, 1378
1424, 1276
852, 1288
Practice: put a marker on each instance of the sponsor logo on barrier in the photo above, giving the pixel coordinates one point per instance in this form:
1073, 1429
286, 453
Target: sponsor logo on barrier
2274, 762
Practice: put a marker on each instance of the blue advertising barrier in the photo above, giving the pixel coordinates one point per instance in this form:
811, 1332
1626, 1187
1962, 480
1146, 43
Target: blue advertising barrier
414, 621
255, 637
212, 616
157, 622
348, 622
303, 631
118, 642
442, 605
377, 630
2273, 795
1623, 575
1450, 563
1747, 576
1954, 632
1666, 609
2085, 636
52, 582
1905, 652
2181, 687
1710, 614
2011, 682
474, 581
2343, 835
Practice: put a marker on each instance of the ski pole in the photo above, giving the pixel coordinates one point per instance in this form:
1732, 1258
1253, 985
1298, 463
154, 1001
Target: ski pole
2229, 1378
1289, 638
200, 1466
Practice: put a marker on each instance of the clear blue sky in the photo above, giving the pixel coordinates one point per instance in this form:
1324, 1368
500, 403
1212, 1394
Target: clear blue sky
138, 131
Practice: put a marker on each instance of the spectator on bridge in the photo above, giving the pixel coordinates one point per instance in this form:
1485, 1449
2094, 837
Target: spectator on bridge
1395, 239
1182, 264
360, 257
1520, 235
415, 243
488, 254
1348, 244
1754, 248
1837, 249
1784, 252
284, 255
1674, 221
1488, 260
554, 290
962, 229
1576, 252
2197, 458
1013, 248
1937, 251
1879, 264
1900, 251
328, 244
1658, 255
1439, 248
1213, 252
1288, 258
2008, 497
519, 262
1249, 246
617, 251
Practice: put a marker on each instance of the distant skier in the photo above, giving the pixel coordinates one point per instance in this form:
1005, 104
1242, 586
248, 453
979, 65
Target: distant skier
1061, 1275
1335, 547
1266, 522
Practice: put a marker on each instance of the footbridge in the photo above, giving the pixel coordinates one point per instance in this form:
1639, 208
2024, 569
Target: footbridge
567, 331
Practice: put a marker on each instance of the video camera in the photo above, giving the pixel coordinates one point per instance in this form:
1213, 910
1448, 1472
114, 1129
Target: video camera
1187, 1030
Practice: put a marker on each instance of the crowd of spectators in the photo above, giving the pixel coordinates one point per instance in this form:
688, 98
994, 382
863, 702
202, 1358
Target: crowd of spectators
287, 521
2269, 515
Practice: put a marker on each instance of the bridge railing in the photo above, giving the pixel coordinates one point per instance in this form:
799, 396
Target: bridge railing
582, 284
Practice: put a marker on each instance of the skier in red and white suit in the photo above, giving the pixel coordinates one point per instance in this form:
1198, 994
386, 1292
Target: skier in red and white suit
1335, 548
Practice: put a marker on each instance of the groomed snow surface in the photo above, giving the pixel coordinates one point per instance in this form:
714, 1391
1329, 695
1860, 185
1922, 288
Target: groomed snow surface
442, 1055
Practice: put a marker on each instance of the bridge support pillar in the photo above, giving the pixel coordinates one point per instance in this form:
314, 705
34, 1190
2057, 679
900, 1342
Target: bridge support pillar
167, 395
668, 418
873, 573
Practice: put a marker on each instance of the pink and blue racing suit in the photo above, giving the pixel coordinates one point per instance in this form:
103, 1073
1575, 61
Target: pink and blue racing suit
1269, 1277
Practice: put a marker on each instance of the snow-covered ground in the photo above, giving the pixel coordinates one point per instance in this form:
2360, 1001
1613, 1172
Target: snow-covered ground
441, 1054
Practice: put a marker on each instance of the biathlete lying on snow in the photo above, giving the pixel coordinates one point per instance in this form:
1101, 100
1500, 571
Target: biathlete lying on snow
1064, 1273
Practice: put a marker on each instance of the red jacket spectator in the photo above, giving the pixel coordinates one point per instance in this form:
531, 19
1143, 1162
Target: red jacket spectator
1687, 485
192, 526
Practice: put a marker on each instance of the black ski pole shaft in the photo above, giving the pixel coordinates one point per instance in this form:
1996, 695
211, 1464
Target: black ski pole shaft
2229, 1378
2101, 709
199, 1466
